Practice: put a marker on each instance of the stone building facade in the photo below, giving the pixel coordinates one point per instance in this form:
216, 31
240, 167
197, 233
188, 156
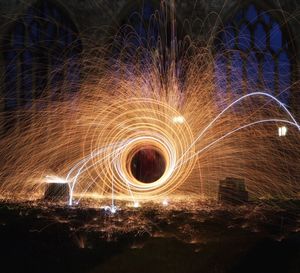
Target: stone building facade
99, 20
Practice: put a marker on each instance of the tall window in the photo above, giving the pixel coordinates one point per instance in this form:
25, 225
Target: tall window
141, 28
150, 34
146, 32
254, 53
41, 55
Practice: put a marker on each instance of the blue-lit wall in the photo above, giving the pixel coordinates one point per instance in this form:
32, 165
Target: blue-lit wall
257, 39
255, 52
41, 51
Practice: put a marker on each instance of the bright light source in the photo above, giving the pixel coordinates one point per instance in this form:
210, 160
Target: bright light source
112, 209
165, 202
52, 179
136, 204
178, 119
282, 131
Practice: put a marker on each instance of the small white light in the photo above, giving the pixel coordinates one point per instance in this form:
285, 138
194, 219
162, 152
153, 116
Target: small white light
112, 209
178, 119
165, 202
136, 204
52, 179
282, 131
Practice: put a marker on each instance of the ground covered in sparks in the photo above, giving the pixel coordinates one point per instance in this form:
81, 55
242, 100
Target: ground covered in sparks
191, 237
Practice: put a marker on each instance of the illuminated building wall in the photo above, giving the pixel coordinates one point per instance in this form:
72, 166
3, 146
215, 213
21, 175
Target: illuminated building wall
39, 37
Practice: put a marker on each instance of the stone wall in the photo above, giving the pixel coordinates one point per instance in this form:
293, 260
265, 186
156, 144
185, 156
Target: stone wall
98, 20
198, 17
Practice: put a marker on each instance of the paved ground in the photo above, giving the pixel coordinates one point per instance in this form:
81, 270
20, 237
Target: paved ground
38, 237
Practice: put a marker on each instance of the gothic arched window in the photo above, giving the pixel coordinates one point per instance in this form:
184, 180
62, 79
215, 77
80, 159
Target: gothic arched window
150, 34
142, 28
144, 32
41, 56
254, 53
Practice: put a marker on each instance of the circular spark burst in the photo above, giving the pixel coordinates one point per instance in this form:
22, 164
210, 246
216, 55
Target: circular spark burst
123, 129
89, 139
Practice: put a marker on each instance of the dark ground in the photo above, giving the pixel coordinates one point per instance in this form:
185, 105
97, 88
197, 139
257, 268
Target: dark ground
38, 237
